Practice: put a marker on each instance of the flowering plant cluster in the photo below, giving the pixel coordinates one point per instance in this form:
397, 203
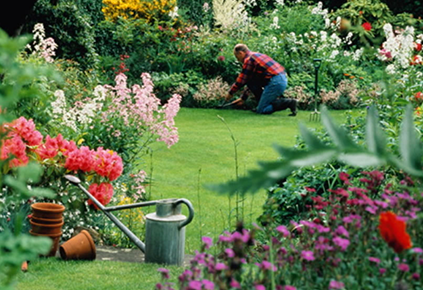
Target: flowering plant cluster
149, 10
23, 142
363, 236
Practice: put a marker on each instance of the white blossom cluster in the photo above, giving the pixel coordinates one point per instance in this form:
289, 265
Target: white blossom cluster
81, 112
398, 47
41, 46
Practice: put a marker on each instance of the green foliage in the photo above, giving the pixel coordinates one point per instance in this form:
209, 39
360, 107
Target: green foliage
344, 149
16, 247
71, 27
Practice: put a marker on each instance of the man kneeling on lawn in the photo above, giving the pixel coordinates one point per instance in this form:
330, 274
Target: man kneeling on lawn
265, 78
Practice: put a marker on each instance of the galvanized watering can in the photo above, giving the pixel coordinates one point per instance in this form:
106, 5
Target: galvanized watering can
165, 229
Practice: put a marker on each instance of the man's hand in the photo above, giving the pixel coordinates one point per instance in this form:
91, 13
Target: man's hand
238, 102
228, 97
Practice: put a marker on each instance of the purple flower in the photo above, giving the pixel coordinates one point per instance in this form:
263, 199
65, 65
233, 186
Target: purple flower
230, 253
417, 250
208, 242
342, 243
165, 272
288, 287
403, 267
260, 287
195, 285
382, 271
235, 284
374, 260
266, 265
307, 255
220, 267
415, 276
342, 231
208, 285
371, 209
283, 230
336, 285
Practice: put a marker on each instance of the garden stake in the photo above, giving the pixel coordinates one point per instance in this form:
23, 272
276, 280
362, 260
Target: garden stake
315, 116
165, 229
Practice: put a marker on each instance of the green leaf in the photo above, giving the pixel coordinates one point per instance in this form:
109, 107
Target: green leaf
310, 139
361, 159
308, 158
409, 145
338, 135
269, 174
376, 140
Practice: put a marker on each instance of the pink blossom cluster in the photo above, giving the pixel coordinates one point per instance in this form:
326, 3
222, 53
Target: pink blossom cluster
23, 141
21, 134
140, 108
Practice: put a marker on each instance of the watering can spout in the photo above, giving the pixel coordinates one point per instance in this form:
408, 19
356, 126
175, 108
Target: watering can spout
73, 179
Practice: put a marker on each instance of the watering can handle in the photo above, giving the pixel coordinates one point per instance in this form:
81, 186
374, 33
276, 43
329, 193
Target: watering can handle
191, 211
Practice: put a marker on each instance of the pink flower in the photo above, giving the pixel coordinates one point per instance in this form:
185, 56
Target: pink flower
382, 271
102, 192
307, 255
367, 26
342, 243
374, 260
415, 276
235, 284
165, 272
80, 159
283, 230
403, 267
26, 129
14, 147
336, 285
107, 163
288, 287
221, 58
208, 242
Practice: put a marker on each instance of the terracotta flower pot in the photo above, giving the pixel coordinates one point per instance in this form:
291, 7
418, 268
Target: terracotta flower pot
46, 229
80, 247
47, 210
54, 246
44, 221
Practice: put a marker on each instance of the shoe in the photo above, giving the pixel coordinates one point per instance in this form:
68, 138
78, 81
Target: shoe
293, 107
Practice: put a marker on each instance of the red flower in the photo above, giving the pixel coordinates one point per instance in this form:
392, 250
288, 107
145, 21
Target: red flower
418, 96
394, 232
367, 26
417, 46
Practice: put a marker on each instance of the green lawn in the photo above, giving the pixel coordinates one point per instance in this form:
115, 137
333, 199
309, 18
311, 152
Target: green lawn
203, 155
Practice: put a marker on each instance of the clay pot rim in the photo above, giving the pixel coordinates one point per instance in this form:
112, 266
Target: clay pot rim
45, 235
47, 225
46, 220
47, 206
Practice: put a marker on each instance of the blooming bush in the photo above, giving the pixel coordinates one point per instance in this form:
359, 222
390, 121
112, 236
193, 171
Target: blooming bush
361, 237
58, 157
150, 10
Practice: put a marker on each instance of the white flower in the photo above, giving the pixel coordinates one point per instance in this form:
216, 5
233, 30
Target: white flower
174, 12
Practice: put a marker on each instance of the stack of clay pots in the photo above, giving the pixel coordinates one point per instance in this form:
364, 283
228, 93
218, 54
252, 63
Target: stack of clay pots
47, 221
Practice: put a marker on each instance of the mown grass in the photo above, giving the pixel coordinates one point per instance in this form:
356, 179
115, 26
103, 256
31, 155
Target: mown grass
203, 155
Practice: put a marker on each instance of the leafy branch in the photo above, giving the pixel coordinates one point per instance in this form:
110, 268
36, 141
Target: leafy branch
344, 149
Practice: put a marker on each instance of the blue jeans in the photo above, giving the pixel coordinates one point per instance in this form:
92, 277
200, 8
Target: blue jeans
269, 93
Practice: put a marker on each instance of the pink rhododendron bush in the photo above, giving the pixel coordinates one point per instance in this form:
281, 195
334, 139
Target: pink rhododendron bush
23, 143
364, 235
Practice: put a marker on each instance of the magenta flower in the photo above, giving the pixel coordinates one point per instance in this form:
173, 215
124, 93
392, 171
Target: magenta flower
403, 267
235, 284
283, 230
230, 252
221, 58
165, 272
208, 285
307, 255
208, 242
417, 250
374, 260
195, 285
336, 285
382, 271
342, 243
415, 276
342, 231
220, 267
288, 287
259, 287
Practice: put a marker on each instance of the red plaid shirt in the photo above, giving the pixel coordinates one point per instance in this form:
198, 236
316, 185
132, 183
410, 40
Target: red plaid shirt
259, 66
